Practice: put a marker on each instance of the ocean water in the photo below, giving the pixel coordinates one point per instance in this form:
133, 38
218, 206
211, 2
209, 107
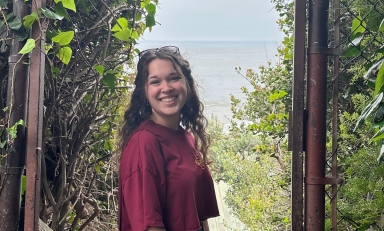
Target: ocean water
213, 66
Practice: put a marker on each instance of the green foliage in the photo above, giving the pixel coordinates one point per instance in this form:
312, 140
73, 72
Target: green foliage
28, 47
88, 48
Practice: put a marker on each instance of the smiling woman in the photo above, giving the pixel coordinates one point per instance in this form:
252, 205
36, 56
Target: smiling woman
164, 180
166, 92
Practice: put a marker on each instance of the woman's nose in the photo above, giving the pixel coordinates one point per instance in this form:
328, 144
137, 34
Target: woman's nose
167, 87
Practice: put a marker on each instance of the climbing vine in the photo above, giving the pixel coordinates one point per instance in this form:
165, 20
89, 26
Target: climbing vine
89, 46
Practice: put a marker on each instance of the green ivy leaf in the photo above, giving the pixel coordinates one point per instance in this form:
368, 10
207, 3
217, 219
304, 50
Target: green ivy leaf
135, 35
151, 7
23, 185
2, 144
379, 80
122, 24
100, 69
358, 25
64, 38
123, 35
353, 48
375, 66
380, 158
51, 15
150, 21
69, 4
138, 16
368, 110
28, 47
60, 10
15, 23
65, 54
29, 20
55, 71
381, 27
12, 131
110, 80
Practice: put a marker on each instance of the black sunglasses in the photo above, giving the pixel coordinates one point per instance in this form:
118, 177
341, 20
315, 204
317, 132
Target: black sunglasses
165, 49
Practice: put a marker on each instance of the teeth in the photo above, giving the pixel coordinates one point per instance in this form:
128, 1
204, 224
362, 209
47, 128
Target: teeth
168, 99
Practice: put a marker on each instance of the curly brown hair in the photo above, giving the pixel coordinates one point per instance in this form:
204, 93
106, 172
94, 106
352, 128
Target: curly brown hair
192, 118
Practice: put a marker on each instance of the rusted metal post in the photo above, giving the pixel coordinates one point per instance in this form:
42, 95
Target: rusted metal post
316, 105
35, 124
297, 120
335, 90
13, 162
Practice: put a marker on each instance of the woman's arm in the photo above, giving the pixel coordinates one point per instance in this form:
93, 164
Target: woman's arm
205, 225
155, 229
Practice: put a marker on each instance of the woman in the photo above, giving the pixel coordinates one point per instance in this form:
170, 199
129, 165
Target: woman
164, 182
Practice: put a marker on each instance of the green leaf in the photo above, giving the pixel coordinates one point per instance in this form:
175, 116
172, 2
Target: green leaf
29, 20
379, 135
12, 131
50, 34
69, 4
135, 35
368, 110
381, 27
28, 47
380, 50
51, 15
64, 38
97, 168
379, 80
358, 26
123, 35
138, 16
122, 24
65, 54
380, 158
110, 80
150, 21
15, 23
85, 6
60, 10
100, 69
375, 66
151, 7
353, 48
55, 71
277, 95
2, 144
23, 185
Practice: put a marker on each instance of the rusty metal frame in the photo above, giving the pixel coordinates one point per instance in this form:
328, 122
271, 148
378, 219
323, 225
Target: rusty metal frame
35, 125
12, 165
297, 115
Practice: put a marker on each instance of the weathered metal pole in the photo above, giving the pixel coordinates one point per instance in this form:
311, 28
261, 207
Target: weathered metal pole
297, 120
13, 162
35, 125
316, 106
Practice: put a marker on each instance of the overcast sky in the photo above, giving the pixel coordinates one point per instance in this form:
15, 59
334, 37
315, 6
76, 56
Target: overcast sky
243, 20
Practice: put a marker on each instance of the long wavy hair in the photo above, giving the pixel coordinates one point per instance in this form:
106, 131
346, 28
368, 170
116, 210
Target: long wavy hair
192, 118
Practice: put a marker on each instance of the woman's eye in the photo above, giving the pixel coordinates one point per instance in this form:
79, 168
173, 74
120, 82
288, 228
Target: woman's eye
176, 78
153, 82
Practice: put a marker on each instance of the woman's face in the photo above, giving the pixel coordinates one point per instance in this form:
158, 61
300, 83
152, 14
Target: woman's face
166, 91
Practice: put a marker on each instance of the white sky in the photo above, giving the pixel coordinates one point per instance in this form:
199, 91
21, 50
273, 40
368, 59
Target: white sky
231, 20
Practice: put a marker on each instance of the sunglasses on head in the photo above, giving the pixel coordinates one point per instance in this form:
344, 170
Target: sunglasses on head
165, 49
